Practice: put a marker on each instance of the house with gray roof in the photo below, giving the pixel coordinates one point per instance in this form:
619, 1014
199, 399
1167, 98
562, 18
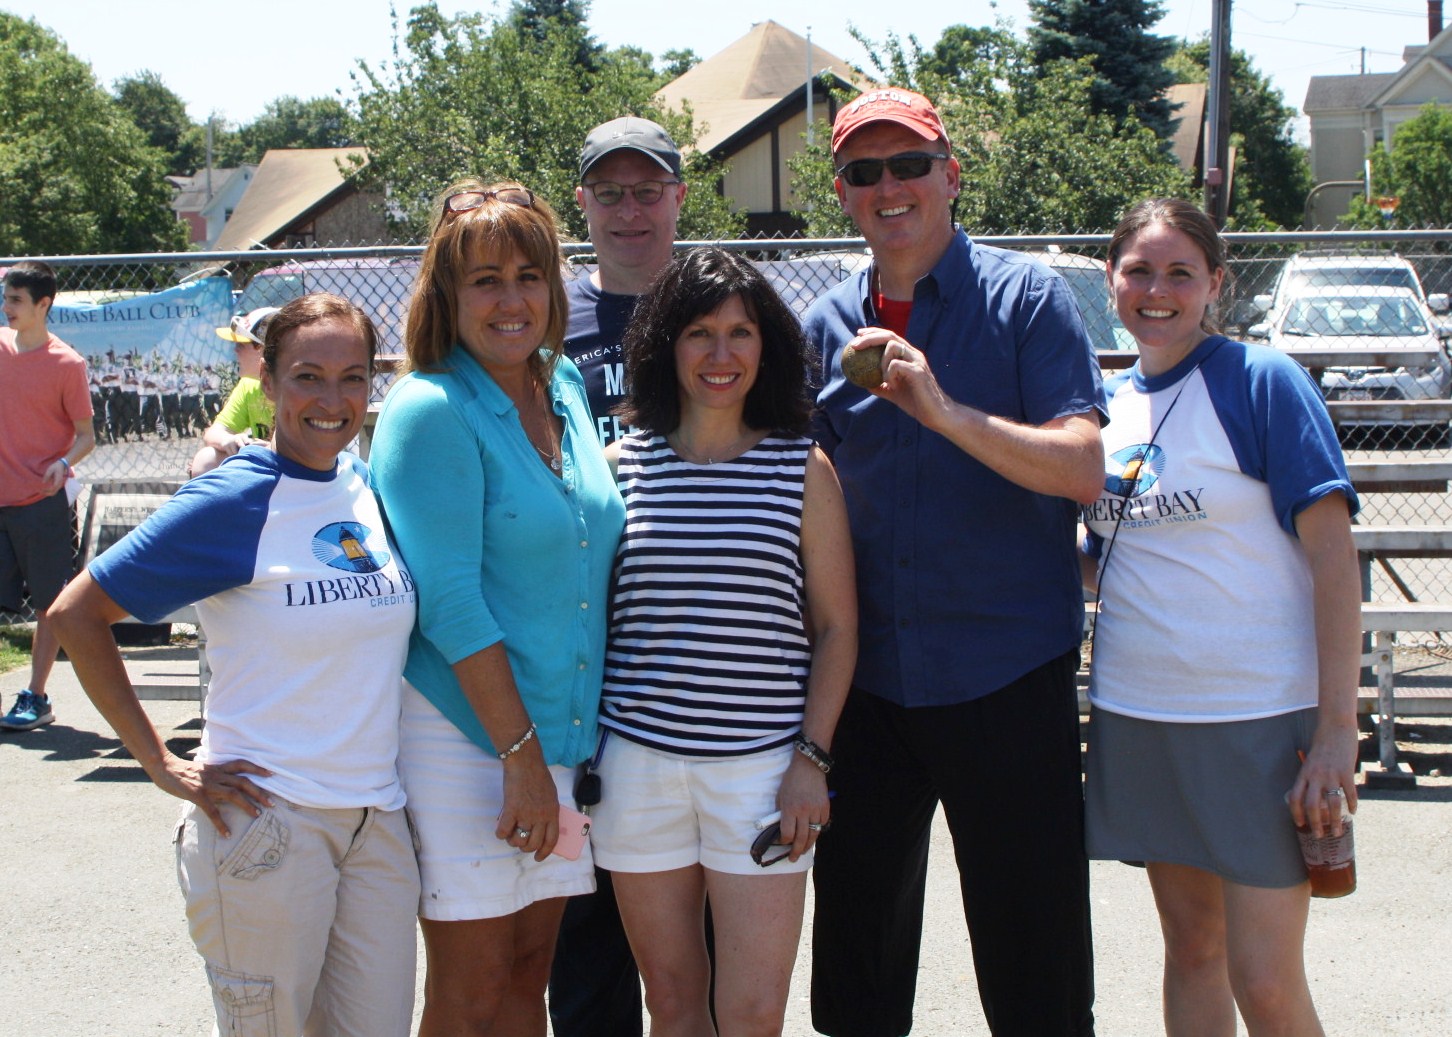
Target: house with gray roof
1350, 115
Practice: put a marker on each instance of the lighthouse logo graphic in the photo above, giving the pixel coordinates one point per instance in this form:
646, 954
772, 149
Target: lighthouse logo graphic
346, 546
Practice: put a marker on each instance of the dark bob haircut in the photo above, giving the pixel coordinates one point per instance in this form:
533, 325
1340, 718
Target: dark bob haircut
1180, 215
317, 308
696, 283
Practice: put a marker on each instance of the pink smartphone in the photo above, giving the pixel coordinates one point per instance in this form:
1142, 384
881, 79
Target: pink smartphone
574, 830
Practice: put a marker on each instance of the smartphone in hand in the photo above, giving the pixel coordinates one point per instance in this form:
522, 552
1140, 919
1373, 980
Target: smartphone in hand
574, 830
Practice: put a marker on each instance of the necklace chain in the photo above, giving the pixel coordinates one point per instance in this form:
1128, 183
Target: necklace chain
689, 453
551, 456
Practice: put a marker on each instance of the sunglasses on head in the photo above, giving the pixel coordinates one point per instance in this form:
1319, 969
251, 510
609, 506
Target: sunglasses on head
646, 192
864, 172
464, 201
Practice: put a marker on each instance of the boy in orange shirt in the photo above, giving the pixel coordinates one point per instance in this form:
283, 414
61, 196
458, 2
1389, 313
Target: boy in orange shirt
45, 428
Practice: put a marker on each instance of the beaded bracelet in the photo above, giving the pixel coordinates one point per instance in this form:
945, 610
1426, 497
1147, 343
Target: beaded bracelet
814, 752
524, 738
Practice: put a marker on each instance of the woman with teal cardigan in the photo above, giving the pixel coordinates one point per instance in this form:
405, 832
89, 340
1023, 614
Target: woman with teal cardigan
498, 496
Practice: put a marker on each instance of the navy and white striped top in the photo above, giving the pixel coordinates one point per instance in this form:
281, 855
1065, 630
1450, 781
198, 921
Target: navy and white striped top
708, 651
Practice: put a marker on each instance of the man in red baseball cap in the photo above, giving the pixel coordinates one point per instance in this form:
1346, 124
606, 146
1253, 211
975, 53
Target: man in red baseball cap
961, 470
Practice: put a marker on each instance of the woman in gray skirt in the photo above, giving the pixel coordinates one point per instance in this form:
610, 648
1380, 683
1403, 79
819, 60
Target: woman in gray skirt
1227, 645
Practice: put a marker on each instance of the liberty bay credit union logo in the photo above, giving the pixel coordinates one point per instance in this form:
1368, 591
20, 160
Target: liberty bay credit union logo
1133, 470
344, 545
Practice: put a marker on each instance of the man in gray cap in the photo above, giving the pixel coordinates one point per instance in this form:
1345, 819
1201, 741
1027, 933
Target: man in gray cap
631, 191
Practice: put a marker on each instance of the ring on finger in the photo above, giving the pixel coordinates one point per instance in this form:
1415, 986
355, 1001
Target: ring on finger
523, 833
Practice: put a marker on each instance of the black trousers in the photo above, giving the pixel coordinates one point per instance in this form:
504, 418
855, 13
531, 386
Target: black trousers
594, 985
1006, 768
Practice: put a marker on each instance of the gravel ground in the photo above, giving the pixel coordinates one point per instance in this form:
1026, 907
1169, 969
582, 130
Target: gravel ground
94, 934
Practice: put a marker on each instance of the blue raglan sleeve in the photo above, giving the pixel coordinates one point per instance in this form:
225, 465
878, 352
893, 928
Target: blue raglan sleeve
201, 542
1273, 412
430, 482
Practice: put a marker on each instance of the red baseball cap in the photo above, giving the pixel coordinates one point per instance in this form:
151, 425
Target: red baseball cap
891, 104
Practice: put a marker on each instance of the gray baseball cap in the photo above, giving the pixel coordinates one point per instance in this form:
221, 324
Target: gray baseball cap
642, 135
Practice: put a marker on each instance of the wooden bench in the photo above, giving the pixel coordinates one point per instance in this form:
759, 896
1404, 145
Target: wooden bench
1404, 541
113, 508
1389, 412
1384, 622
184, 688
1417, 475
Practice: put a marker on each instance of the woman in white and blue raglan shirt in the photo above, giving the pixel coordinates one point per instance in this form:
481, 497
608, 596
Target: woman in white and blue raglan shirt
1228, 633
293, 852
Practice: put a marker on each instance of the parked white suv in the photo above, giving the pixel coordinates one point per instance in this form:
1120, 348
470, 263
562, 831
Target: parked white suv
1314, 271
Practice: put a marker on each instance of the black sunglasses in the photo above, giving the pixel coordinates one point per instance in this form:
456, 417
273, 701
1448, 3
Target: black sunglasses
770, 837
864, 172
463, 201
764, 842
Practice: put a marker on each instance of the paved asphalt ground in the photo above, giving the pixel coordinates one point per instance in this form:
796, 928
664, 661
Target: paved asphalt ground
93, 940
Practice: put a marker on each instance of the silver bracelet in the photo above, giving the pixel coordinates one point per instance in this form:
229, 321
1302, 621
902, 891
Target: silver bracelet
523, 739
814, 752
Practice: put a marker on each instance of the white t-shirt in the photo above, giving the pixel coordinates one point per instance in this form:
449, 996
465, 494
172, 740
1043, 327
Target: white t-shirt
307, 613
1205, 609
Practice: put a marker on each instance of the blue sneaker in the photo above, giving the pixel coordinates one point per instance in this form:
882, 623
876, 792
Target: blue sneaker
30, 711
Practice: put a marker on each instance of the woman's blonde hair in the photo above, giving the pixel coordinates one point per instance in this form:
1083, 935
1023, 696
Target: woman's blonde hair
458, 239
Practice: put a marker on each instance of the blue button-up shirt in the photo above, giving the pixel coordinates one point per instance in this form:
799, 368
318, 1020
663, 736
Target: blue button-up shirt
966, 580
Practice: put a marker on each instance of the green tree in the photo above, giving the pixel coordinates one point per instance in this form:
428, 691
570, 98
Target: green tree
540, 18
287, 122
676, 63
495, 99
1272, 172
228, 150
162, 116
1417, 171
1035, 156
1128, 60
76, 174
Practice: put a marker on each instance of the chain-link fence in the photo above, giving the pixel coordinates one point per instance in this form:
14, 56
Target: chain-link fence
1340, 301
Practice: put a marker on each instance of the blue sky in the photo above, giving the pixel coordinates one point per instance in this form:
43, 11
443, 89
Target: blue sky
232, 58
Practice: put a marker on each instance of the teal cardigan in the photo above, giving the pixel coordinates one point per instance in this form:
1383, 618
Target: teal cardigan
501, 549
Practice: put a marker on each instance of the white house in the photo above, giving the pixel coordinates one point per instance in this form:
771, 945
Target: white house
1350, 115
205, 202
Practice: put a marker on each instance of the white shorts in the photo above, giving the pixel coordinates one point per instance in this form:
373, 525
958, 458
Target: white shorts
659, 811
455, 793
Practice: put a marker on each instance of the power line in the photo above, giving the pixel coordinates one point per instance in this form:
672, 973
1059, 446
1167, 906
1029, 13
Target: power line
1364, 9
1310, 43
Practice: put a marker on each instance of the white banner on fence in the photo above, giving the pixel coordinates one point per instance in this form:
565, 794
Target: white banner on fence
178, 325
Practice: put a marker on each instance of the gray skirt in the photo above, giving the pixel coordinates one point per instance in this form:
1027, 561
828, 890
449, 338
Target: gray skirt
1211, 796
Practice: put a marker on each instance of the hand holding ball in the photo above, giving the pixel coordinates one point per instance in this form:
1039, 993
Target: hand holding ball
863, 366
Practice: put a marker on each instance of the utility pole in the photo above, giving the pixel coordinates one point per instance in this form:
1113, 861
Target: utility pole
811, 133
1217, 116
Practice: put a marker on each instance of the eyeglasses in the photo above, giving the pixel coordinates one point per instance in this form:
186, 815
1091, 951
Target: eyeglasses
464, 201
910, 165
647, 192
